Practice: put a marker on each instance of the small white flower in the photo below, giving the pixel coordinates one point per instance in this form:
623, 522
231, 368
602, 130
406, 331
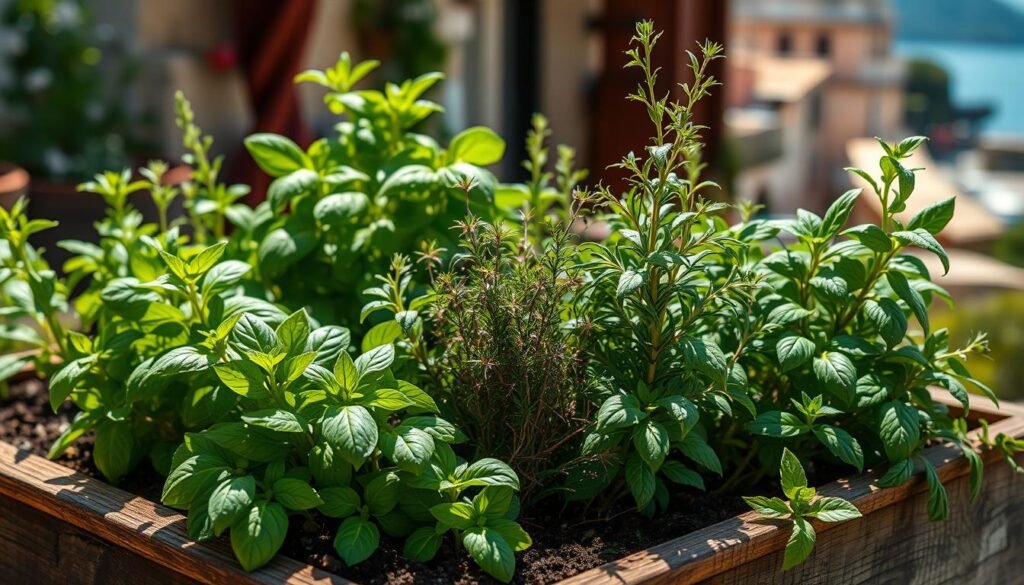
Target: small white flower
66, 16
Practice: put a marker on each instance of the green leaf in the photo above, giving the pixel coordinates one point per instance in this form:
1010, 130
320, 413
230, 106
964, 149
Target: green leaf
651, 442
338, 501
112, 452
871, 236
251, 334
275, 154
768, 507
458, 515
381, 334
629, 282
934, 217
705, 356
241, 377
833, 510
409, 448
293, 332
356, 540
296, 494
899, 430
787, 313
494, 501
340, 209
490, 550
836, 373
901, 286
778, 424
799, 545
841, 444
899, 472
794, 351
512, 532
351, 431
205, 260
224, 276
792, 474
618, 411
275, 419
477, 145
377, 359
924, 240
697, 449
248, 441
676, 472
422, 545
838, 213
286, 188
66, 379
489, 471
345, 371
938, 501
230, 501
283, 247
888, 319
258, 536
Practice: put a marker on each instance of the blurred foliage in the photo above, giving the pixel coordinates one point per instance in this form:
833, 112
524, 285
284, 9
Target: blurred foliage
927, 96
1001, 315
1010, 246
401, 33
61, 80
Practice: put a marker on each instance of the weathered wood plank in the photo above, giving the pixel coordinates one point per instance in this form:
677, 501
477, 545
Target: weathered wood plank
132, 523
38, 548
720, 551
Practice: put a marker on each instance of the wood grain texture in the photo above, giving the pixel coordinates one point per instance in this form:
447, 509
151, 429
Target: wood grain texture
748, 549
110, 516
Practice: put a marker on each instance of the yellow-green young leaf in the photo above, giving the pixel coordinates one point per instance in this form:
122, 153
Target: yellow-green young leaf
205, 260
259, 535
477, 145
512, 532
293, 332
491, 551
458, 515
381, 334
345, 372
799, 545
242, 377
276, 155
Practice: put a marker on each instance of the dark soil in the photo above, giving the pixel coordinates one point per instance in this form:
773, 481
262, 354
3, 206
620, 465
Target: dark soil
563, 545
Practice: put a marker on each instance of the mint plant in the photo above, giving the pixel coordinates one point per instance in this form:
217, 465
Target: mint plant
803, 504
316, 429
661, 298
839, 374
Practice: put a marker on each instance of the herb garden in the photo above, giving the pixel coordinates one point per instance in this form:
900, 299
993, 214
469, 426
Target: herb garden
399, 368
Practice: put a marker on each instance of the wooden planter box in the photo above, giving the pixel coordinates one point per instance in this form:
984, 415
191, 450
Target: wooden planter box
59, 526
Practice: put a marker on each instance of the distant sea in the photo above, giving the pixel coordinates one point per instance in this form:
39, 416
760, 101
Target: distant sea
980, 74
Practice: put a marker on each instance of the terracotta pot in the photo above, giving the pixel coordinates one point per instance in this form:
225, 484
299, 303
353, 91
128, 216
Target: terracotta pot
14, 182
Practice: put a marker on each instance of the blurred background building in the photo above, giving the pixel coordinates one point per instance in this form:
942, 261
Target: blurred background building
88, 84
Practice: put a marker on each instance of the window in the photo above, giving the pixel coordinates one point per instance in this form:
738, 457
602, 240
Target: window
824, 45
785, 44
